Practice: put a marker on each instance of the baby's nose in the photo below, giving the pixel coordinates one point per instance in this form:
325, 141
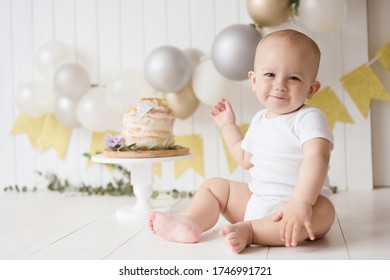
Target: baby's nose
280, 85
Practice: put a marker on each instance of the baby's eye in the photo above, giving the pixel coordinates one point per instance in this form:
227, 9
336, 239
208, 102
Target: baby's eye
294, 78
270, 75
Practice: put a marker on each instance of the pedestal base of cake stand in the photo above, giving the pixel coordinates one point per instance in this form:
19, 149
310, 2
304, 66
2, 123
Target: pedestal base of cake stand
142, 177
142, 180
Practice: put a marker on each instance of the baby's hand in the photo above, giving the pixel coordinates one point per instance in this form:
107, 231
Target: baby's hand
222, 113
294, 218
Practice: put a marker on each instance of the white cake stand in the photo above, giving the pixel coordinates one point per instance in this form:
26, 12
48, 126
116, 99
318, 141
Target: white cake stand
142, 177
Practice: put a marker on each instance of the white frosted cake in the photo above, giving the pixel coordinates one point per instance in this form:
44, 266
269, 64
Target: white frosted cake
149, 125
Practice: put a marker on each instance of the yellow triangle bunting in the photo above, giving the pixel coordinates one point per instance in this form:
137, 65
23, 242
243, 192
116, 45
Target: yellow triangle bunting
195, 143
55, 135
363, 85
384, 56
43, 132
327, 101
32, 126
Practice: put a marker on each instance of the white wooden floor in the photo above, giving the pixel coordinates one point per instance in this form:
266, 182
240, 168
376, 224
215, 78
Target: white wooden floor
51, 226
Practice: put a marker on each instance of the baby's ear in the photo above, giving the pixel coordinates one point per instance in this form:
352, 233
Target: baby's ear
314, 87
252, 79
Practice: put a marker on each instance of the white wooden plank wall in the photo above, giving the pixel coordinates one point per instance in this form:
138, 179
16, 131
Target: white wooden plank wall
378, 21
110, 35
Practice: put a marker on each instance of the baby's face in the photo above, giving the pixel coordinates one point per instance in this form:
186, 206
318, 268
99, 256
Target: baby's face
284, 76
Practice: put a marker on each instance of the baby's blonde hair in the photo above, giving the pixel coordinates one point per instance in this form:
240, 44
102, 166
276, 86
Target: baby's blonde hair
296, 38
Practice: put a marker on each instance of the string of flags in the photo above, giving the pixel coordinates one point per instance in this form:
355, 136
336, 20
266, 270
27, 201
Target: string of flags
362, 85
43, 132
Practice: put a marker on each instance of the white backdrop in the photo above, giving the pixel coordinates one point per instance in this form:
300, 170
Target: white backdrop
110, 35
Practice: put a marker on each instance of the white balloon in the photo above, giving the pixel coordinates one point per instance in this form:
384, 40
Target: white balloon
167, 69
50, 56
194, 57
322, 16
35, 98
65, 110
115, 122
286, 25
209, 86
72, 80
93, 111
127, 88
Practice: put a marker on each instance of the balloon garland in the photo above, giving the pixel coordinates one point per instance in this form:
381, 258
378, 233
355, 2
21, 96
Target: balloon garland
185, 77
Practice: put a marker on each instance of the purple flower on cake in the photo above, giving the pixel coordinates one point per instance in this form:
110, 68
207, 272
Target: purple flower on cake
113, 142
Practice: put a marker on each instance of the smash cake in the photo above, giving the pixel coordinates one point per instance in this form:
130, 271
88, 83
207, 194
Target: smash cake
149, 125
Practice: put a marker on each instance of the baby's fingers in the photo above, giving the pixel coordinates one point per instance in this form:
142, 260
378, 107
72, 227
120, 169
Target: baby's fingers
295, 235
298, 231
285, 232
310, 231
288, 234
227, 105
292, 234
217, 108
214, 111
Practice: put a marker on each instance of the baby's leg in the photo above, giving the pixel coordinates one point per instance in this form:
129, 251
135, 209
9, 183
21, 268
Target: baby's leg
215, 196
267, 232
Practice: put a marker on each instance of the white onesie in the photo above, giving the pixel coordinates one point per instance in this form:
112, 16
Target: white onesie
276, 148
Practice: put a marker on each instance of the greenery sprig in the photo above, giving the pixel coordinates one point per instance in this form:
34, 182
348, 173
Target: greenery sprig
18, 189
118, 187
294, 5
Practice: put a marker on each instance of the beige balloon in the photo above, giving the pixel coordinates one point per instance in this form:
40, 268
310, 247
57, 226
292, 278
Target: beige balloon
268, 12
183, 103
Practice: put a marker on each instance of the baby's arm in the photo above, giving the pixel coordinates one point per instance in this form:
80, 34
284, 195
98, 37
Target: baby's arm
224, 117
296, 214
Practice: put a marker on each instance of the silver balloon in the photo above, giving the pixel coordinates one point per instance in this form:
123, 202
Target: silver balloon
72, 80
167, 69
233, 51
65, 109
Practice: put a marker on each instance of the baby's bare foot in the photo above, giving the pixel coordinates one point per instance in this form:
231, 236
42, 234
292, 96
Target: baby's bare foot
238, 236
178, 228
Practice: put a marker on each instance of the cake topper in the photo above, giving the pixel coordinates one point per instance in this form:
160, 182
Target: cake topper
143, 109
